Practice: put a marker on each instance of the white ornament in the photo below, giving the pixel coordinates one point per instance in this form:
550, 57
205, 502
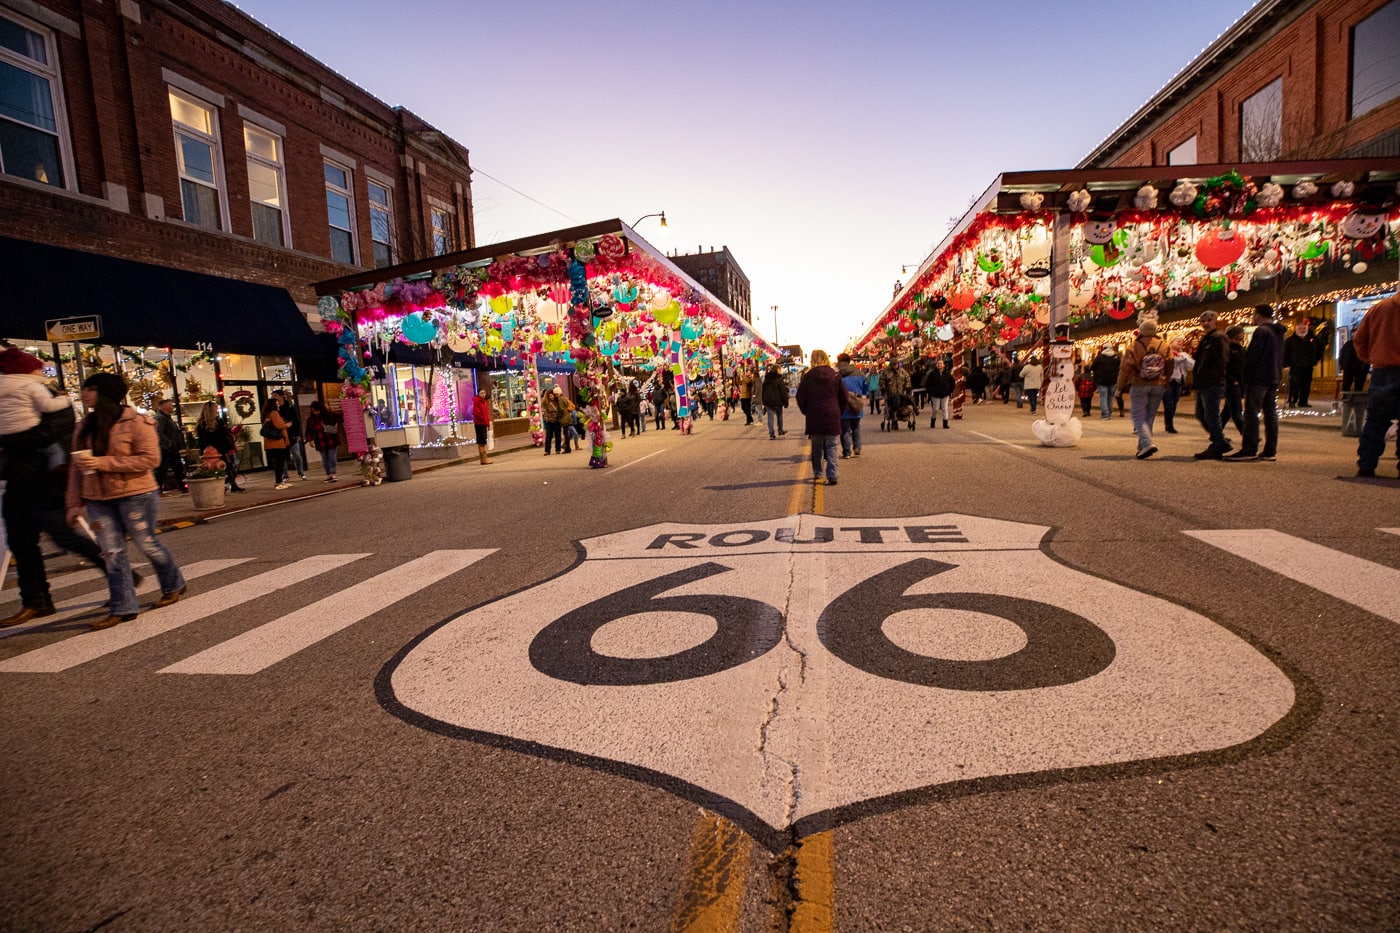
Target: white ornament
1031, 200
1359, 268
1233, 295
1271, 195
1146, 198
1183, 194
1304, 189
1343, 189
1079, 201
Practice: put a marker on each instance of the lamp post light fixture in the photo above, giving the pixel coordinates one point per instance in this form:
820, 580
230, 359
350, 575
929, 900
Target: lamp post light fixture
775, 325
661, 214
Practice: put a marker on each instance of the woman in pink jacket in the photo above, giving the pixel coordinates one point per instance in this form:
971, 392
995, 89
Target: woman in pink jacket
114, 451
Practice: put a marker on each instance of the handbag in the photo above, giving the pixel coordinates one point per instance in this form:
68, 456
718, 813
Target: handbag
270, 431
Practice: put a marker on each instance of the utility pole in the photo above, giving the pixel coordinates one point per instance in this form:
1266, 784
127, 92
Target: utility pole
775, 325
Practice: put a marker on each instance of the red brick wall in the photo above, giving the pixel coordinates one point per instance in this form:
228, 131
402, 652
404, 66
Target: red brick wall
119, 124
1312, 55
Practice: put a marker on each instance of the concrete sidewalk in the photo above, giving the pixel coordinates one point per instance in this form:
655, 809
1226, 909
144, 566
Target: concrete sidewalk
178, 511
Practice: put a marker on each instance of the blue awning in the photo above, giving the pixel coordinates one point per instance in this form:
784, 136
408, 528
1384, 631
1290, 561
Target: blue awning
146, 305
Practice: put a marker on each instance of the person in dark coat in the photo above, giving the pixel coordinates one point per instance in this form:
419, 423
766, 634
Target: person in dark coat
822, 398
775, 399
1301, 351
938, 385
1233, 411
1354, 368
1263, 371
1105, 369
1212, 358
170, 475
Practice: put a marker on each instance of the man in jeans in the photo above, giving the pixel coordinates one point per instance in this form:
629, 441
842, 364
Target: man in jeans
1263, 371
1146, 368
1212, 358
1105, 369
1377, 341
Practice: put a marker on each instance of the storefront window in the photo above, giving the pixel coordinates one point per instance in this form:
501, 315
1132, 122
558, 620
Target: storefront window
508, 394
422, 396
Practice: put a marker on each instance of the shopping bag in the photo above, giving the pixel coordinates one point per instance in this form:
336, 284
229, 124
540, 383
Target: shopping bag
490, 440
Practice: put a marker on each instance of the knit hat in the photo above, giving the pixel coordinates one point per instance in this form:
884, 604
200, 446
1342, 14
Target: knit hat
108, 385
1264, 311
16, 362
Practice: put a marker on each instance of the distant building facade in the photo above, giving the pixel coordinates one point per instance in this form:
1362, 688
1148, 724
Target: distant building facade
185, 134
720, 274
1289, 81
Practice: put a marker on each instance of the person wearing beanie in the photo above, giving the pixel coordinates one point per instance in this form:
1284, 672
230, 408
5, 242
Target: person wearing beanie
36, 427
1263, 371
115, 451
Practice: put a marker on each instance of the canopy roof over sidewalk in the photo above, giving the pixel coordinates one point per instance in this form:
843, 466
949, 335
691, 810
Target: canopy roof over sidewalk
1135, 238
582, 293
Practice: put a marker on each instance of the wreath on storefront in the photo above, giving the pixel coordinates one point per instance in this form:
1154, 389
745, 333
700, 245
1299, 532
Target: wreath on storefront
244, 405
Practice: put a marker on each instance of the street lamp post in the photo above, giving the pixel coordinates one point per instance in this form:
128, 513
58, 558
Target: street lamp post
661, 214
775, 325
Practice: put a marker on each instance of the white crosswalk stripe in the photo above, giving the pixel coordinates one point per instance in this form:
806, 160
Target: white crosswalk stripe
1391, 531
89, 602
71, 652
264, 646
62, 580
1362, 583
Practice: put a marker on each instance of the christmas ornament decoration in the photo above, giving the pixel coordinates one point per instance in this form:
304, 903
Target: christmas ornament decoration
612, 247
1343, 190
1146, 198
1079, 201
1219, 248
1303, 190
1031, 200
1270, 195
1183, 194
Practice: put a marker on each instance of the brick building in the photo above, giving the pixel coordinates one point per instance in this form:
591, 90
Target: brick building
720, 274
185, 134
1289, 81
185, 173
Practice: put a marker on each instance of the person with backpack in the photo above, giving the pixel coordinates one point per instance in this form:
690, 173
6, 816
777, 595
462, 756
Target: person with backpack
36, 430
775, 399
1144, 373
856, 397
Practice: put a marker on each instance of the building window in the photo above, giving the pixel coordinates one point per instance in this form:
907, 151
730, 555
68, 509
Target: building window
381, 224
197, 153
1184, 154
32, 141
1375, 61
340, 208
1261, 124
267, 185
442, 232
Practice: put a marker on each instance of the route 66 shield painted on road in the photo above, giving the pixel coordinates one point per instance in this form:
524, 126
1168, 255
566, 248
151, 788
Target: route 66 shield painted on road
788, 669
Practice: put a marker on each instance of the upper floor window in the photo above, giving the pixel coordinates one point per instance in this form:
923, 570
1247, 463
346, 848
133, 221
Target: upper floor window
1261, 123
442, 232
381, 224
340, 209
199, 158
267, 185
1184, 154
1375, 59
32, 142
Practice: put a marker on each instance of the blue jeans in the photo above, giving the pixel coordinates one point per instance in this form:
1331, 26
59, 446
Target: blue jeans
850, 436
1169, 401
1106, 401
1234, 407
1382, 407
1208, 414
1257, 400
328, 460
775, 412
1033, 396
112, 520
824, 448
1145, 402
553, 434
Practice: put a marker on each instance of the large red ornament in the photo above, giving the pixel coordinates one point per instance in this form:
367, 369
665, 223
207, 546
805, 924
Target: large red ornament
962, 298
1121, 309
1218, 248
905, 325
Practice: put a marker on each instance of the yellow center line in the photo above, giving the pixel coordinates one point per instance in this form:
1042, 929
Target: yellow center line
815, 910
718, 863
715, 875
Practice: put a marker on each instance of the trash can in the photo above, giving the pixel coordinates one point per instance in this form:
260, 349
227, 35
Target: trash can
397, 466
1353, 413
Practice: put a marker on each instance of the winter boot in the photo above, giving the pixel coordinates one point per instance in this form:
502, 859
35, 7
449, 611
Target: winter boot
481, 453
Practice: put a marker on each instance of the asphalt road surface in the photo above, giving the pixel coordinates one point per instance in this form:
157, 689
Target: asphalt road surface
978, 684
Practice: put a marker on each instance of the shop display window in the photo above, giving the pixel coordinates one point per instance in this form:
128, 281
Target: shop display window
508, 394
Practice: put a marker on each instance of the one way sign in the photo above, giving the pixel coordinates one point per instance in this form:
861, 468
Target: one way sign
788, 670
